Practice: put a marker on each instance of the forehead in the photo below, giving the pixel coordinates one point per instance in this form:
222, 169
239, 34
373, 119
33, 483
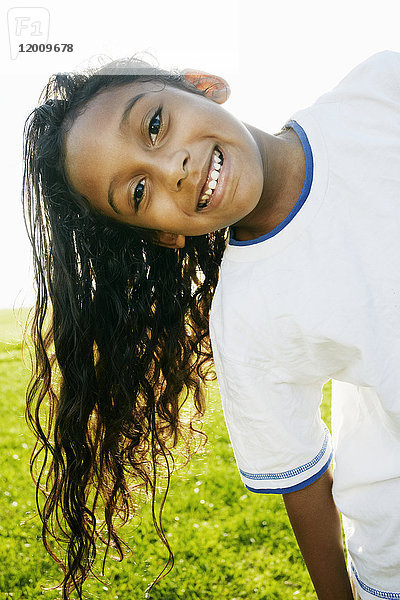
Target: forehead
110, 102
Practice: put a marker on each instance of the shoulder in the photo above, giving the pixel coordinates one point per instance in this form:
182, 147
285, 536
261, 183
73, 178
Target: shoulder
386, 57
378, 75
379, 66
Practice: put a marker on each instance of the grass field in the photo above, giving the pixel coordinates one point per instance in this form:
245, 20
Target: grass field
228, 543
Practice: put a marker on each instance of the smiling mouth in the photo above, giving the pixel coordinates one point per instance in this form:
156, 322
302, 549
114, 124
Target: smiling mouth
214, 171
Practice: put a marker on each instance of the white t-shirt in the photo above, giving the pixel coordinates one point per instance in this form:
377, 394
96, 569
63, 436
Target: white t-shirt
318, 298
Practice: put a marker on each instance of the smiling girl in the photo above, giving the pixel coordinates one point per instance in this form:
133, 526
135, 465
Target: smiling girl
142, 193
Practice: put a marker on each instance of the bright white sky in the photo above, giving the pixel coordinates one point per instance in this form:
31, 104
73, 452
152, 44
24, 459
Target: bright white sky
278, 57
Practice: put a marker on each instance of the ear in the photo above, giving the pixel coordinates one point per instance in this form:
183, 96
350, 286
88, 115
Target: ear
214, 87
170, 240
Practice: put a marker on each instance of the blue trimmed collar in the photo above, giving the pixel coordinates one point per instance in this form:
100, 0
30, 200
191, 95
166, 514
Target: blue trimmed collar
302, 198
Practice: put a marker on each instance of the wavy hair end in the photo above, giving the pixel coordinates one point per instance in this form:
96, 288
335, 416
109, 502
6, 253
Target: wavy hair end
121, 341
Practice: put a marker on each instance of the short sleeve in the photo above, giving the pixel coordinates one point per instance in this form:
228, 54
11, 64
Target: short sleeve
279, 440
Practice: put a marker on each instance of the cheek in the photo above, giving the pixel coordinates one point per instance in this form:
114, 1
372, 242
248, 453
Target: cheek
163, 215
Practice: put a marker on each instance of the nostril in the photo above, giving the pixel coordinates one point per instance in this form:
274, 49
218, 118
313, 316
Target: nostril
185, 160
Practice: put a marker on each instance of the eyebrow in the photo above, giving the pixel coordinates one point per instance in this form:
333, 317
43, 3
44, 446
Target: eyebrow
122, 127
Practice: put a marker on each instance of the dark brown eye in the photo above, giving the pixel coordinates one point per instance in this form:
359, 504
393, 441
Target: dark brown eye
138, 194
155, 125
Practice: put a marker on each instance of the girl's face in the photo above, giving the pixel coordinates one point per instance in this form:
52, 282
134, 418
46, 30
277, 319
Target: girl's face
145, 154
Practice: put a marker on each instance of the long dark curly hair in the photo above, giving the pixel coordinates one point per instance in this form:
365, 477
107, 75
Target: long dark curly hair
121, 341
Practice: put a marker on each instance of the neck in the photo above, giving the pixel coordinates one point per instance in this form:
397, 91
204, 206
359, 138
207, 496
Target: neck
284, 172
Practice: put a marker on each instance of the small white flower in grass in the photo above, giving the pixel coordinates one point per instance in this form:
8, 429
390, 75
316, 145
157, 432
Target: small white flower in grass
196, 490
176, 518
25, 446
16, 456
211, 505
196, 525
27, 545
252, 540
6, 493
243, 497
199, 482
14, 503
202, 501
105, 588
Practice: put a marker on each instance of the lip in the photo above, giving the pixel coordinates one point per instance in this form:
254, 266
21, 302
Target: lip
219, 191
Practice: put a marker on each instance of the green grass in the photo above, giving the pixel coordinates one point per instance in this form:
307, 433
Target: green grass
228, 543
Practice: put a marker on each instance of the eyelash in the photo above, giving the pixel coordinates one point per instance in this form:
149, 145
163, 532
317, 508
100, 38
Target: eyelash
152, 124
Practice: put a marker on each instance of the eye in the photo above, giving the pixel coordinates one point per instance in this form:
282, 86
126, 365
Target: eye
138, 194
155, 125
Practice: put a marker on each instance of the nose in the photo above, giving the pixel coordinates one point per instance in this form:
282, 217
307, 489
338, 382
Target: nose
172, 169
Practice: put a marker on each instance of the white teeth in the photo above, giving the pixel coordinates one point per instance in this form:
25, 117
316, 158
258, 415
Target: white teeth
212, 184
